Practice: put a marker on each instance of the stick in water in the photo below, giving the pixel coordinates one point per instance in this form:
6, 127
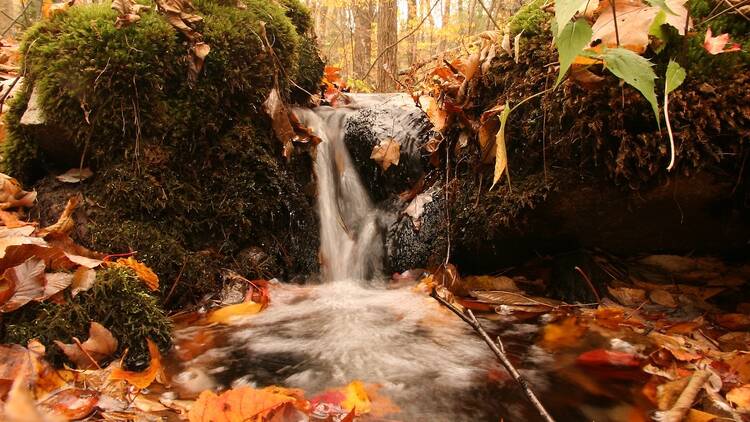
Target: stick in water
499, 351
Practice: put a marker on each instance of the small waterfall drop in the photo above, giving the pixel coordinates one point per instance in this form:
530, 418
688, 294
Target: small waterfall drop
350, 238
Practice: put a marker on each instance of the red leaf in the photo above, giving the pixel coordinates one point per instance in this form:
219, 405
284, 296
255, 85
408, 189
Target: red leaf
715, 45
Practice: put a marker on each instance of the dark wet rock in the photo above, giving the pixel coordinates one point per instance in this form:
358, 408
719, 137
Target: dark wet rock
368, 127
421, 245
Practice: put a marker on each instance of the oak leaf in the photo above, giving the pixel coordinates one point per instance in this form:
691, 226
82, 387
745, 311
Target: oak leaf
100, 345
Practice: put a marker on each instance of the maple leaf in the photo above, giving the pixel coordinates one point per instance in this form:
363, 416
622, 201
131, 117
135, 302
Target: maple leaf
387, 153
100, 345
716, 45
145, 378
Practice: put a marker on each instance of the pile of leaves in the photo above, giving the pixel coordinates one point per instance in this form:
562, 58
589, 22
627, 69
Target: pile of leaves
675, 327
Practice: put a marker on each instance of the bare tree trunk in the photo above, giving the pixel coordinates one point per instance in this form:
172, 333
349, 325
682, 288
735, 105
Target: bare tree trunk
446, 21
472, 15
322, 21
493, 10
411, 56
362, 37
387, 36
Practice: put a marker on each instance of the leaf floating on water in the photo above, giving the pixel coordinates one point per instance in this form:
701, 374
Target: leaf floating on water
227, 313
387, 153
100, 345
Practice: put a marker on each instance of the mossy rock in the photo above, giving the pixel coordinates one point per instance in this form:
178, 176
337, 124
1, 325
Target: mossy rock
118, 300
530, 19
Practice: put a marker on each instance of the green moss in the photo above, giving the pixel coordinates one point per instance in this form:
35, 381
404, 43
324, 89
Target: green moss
118, 300
705, 66
299, 15
20, 155
310, 71
530, 19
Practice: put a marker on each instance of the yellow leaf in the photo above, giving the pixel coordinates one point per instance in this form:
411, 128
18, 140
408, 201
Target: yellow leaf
563, 334
225, 314
141, 379
142, 271
695, 415
740, 396
356, 398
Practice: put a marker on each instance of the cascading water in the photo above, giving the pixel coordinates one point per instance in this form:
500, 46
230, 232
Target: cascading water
352, 327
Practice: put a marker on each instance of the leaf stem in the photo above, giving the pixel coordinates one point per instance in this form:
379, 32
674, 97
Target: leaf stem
614, 17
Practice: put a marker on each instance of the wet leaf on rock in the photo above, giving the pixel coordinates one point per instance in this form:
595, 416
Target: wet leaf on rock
387, 153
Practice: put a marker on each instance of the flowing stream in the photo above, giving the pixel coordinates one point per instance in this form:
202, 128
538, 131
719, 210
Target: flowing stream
353, 326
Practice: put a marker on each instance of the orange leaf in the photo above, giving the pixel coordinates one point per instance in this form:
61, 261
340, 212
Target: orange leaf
100, 345
71, 404
142, 271
241, 404
564, 334
141, 379
225, 314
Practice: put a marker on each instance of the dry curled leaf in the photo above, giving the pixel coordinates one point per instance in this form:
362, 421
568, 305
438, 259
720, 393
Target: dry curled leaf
65, 222
100, 345
277, 110
76, 175
12, 195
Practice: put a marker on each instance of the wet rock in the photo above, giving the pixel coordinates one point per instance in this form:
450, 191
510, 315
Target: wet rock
419, 244
392, 119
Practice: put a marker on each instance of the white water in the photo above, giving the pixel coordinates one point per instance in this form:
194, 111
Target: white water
351, 327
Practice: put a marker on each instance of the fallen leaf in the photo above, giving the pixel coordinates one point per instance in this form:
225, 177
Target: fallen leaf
100, 345
225, 314
21, 284
71, 404
387, 153
733, 321
55, 283
628, 296
198, 53
7, 242
663, 298
740, 397
145, 378
437, 116
501, 154
356, 398
282, 127
11, 194
717, 45
415, 209
563, 334
77, 175
240, 404
603, 357
675, 398
65, 222
83, 279
10, 220
20, 406
146, 274
634, 18
488, 282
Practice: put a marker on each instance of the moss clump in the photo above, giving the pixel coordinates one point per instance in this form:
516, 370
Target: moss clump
187, 173
21, 157
119, 301
705, 66
530, 19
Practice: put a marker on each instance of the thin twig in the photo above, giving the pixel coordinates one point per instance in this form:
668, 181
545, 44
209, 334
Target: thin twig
15, 21
614, 18
408, 34
499, 351
588, 281
728, 9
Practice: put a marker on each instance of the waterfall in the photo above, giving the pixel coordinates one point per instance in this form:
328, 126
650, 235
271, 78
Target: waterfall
351, 245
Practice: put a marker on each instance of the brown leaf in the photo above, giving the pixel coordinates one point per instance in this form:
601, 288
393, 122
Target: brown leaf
65, 222
12, 195
10, 241
21, 284
10, 220
416, 208
437, 116
77, 175
740, 397
179, 13
663, 298
199, 51
83, 279
100, 345
734, 321
387, 153
55, 283
628, 296
282, 127
634, 18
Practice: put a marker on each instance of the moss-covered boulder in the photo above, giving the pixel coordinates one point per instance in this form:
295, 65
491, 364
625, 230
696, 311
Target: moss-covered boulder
186, 172
118, 300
